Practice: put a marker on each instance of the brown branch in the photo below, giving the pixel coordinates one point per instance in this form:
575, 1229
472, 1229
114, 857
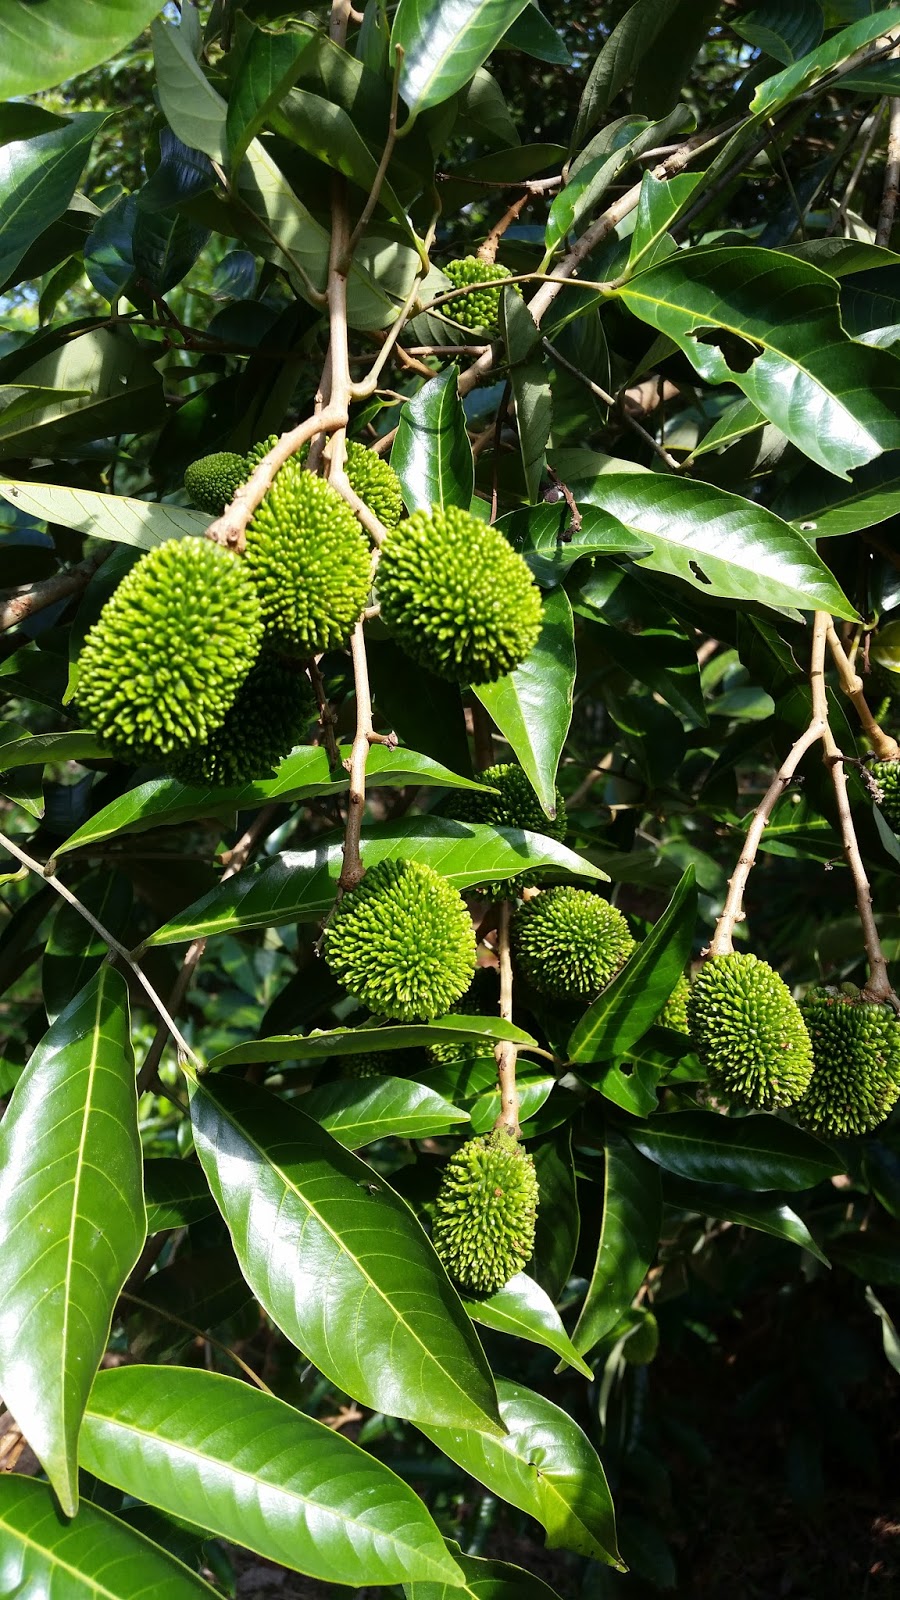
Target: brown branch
891, 178
230, 528
506, 1053
37, 596
352, 869
488, 250
883, 746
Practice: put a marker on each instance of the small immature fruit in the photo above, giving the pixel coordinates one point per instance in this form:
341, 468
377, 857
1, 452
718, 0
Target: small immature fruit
213, 481
376, 482
485, 1213
369, 1064
481, 308
272, 712
856, 1051
402, 942
514, 805
674, 1013
570, 943
163, 664
749, 1032
887, 777
457, 597
309, 562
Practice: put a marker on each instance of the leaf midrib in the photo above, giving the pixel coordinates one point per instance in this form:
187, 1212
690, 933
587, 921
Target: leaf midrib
63, 1566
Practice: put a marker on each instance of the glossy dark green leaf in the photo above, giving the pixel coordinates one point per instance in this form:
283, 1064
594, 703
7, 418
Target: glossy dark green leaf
719, 543
269, 65
631, 1003
550, 546
40, 748
74, 952
453, 1029
662, 656
532, 706
663, 70
338, 1260
472, 1083
784, 32
425, 711
443, 46
757, 1211
163, 802
357, 1113
143, 523
535, 35
300, 884
203, 1288
329, 133
530, 388
483, 1580
632, 1085
823, 506
835, 399
38, 178
254, 1470
754, 1152
93, 1557
873, 1256
431, 453
524, 1311
545, 1466
777, 91
629, 1235
558, 1220
72, 1219
176, 1193
659, 205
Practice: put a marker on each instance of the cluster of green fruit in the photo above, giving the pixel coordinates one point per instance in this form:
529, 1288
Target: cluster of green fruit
479, 308
198, 661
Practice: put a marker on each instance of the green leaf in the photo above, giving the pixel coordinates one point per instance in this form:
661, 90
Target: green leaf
431, 454
629, 1235
105, 516
631, 1003
524, 1311
302, 776
300, 884
546, 1467
328, 132
663, 70
659, 205
726, 308
267, 69
356, 1114
472, 1083
631, 39
191, 106
254, 1470
339, 1261
93, 1557
443, 46
455, 1029
823, 507
114, 388
873, 1256
483, 1580
535, 35
44, 45
550, 546
779, 90
39, 748
532, 706
754, 1152
719, 543
784, 32
558, 1219
759, 1211
74, 952
38, 178
72, 1219
176, 1193
889, 1337
530, 387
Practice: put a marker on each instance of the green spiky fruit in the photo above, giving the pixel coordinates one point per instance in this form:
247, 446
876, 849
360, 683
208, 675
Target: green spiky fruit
481, 309
213, 481
856, 1055
674, 1013
272, 712
163, 665
570, 943
369, 1064
402, 942
514, 805
457, 597
456, 1053
749, 1032
887, 776
376, 482
309, 562
485, 1213
261, 448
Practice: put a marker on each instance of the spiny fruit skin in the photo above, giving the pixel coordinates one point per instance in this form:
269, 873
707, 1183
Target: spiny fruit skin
749, 1032
856, 1051
457, 597
309, 562
674, 1013
376, 482
570, 943
402, 942
481, 309
451, 1055
164, 663
485, 1213
212, 481
887, 776
272, 712
370, 1064
514, 805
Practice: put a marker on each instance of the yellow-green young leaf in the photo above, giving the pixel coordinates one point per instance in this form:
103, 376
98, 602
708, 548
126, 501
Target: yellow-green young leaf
92, 1557
339, 1261
254, 1470
524, 1311
444, 45
72, 1219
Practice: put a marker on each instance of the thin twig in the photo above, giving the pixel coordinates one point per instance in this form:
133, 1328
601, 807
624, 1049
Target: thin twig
883, 746
505, 1052
107, 937
327, 717
610, 400
199, 1333
37, 596
384, 163
488, 250
891, 178
229, 529
352, 869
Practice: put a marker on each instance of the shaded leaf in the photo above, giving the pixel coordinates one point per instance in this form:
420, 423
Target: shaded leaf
74, 952
762, 1212
780, 89
532, 706
176, 1193
483, 1580
38, 178
629, 1235
873, 1256
754, 1152
558, 1219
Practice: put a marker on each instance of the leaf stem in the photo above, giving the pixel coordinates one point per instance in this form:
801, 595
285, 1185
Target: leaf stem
505, 1053
883, 746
